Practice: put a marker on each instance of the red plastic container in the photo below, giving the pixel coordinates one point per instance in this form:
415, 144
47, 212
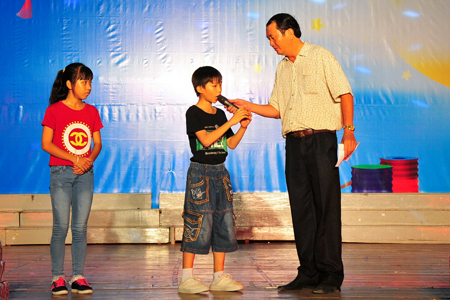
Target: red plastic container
405, 173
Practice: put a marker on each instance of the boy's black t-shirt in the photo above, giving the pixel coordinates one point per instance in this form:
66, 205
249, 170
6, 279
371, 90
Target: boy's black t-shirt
196, 120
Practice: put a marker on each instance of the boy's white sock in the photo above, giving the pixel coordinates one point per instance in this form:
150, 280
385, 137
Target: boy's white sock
216, 277
187, 273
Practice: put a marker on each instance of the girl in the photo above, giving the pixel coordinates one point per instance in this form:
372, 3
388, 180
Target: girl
71, 126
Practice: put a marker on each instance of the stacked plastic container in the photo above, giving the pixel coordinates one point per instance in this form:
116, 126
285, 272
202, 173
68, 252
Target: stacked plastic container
371, 179
405, 173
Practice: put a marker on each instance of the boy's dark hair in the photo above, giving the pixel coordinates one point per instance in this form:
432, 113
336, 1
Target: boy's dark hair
203, 75
73, 72
285, 22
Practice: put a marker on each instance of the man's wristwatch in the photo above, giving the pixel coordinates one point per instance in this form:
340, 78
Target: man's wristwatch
349, 127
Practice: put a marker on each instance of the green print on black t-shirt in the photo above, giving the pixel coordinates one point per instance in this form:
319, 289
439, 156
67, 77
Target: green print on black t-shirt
221, 144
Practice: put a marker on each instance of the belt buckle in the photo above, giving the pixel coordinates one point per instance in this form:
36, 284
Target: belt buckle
302, 133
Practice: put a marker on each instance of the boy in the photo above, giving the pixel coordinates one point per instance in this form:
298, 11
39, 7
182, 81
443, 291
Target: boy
208, 207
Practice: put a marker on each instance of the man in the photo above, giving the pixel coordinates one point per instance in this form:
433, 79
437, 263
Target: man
313, 98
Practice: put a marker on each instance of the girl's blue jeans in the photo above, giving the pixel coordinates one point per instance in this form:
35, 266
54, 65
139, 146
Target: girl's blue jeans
68, 189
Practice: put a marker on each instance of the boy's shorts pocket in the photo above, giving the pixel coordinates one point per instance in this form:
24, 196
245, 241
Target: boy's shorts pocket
198, 190
228, 188
192, 225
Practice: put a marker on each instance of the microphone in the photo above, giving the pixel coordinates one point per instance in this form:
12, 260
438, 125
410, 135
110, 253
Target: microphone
225, 101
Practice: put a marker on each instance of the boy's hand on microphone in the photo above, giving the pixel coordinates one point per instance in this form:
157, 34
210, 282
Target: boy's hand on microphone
246, 121
240, 115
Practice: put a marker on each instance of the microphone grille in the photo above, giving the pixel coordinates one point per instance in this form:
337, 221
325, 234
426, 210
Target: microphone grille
221, 99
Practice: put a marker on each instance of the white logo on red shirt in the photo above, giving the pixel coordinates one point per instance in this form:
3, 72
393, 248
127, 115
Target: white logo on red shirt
77, 138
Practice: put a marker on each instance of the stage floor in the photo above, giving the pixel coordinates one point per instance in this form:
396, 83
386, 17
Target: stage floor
130, 271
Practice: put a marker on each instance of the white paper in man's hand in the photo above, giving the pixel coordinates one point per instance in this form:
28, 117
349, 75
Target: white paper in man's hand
341, 154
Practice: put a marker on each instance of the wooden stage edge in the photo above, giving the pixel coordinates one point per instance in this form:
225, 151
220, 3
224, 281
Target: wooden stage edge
26, 219
148, 271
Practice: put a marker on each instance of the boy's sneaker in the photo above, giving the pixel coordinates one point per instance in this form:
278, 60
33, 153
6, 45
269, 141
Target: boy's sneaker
226, 284
192, 285
81, 286
59, 287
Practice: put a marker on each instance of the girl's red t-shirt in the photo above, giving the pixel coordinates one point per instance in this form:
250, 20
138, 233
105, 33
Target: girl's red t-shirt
73, 129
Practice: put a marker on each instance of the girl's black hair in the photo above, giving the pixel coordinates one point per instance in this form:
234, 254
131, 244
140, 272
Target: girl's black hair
203, 75
285, 22
73, 72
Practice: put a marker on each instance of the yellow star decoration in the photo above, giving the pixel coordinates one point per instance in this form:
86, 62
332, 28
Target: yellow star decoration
397, 3
406, 75
257, 68
317, 24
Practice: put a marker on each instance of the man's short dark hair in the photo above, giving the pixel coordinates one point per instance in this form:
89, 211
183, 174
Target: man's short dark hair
203, 75
285, 22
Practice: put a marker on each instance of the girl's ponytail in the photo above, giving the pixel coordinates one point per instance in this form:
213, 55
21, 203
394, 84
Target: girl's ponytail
59, 89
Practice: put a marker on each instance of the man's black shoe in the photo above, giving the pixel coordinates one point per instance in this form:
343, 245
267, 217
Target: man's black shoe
296, 285
325, 288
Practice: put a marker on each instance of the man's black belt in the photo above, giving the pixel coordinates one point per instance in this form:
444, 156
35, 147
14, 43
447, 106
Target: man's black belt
303, 133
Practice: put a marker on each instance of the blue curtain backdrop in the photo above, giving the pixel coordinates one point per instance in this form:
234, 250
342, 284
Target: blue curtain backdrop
395, 53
